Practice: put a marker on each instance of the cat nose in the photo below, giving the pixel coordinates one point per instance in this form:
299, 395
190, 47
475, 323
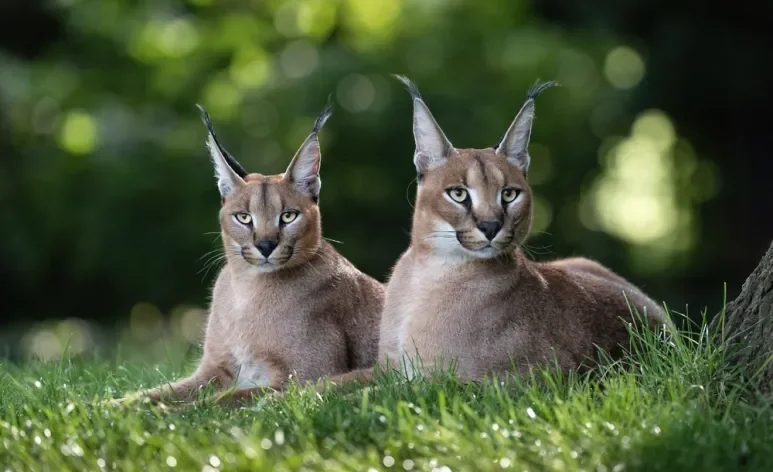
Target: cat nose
489, 228
266, 247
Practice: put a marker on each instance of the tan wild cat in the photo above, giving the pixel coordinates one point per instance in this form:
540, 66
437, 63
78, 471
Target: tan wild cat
465, 293
286, 303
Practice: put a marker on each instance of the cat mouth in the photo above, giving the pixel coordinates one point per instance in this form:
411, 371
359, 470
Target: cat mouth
484, 251
475, 246
256, 261
264, 262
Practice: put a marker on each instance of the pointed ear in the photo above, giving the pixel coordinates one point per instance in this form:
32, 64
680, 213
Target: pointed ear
432, 145
515, 143
229, 173
303, 171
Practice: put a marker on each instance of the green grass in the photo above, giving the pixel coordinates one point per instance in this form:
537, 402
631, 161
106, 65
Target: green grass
677, 408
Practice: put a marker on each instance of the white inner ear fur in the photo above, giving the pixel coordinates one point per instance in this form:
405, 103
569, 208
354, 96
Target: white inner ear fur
303, 170
515, 144
227, 179
432, 146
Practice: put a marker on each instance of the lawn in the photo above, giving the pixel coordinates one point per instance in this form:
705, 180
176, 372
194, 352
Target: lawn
678, 408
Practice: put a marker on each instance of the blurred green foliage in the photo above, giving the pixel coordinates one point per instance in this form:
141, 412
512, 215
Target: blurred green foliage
108, 198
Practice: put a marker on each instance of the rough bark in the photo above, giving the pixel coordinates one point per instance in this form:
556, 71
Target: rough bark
748, 325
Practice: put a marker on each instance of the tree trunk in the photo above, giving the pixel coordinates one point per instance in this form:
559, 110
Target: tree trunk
748, 325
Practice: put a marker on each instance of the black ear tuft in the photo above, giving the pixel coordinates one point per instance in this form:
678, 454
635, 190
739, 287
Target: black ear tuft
322, 118
538, 88
230, 160
412, 88
532, 94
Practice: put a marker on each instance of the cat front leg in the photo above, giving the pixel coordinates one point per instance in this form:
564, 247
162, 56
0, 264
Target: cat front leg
183, 390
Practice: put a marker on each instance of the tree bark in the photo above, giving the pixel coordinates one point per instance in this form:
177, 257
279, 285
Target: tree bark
748, 325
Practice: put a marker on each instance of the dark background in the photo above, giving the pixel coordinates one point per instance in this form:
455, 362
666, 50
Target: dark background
653, 158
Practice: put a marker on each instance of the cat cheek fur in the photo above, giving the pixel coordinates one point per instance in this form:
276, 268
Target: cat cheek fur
299, 240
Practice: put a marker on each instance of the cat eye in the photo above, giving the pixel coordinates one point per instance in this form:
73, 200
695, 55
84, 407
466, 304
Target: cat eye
288, 216
510, 194
243, 218
457, 194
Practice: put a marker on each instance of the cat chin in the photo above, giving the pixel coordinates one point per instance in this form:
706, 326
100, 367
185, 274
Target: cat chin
461, 254
265, 268
259, 266
488, 252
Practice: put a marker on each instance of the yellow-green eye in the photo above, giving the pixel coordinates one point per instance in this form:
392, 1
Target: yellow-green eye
458, 194
509, 194
288, 217
243, 218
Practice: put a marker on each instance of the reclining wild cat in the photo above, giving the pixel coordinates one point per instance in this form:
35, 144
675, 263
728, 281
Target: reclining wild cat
465, 293
286, 304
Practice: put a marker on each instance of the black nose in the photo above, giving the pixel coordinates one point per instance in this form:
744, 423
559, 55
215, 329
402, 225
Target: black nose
266, 247
489, 228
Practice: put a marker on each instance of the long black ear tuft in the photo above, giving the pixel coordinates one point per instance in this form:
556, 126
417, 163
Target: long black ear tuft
230, 160
323, 116
538, 88
412, 88
303, 171
532, 94
514, 145
432, 145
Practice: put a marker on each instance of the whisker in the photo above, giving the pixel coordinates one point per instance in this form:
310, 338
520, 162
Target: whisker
541, 250
216, 257
209, 253
528, 253
308, 263
407, 197
332, 240
312, 268
210, 265
438, 236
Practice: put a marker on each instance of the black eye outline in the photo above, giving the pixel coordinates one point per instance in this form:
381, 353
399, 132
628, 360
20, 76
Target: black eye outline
295, 214
516, 193
450, 192
243, 214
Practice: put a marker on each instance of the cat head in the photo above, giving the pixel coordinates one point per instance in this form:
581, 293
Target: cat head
269, 222
473, 203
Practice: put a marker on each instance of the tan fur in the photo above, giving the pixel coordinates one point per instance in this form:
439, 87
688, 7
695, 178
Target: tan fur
456, 298
302, 312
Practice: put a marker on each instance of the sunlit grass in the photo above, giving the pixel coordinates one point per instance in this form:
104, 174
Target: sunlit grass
677, 408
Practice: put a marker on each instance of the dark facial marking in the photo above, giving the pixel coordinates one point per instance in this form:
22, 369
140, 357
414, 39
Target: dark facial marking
281, 203
482, 168
264, 193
